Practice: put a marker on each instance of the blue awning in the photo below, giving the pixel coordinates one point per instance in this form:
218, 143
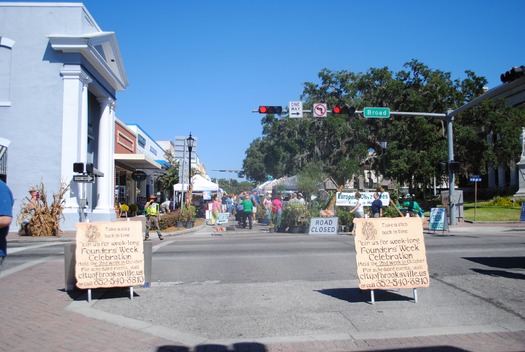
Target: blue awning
163, 162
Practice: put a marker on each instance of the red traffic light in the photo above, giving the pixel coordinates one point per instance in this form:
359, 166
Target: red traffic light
265, 109
338, 110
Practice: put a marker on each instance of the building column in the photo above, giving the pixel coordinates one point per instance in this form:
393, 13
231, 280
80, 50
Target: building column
105, 157
74, 130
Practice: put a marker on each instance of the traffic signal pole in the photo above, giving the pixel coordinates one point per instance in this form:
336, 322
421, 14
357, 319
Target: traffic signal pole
449, 117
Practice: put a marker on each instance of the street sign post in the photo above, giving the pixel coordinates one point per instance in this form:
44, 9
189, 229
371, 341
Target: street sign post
84, 178
319, 110
475, 179
381, 113
295, 109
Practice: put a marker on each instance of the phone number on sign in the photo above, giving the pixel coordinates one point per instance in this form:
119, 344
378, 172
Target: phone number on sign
402, 282
120, 281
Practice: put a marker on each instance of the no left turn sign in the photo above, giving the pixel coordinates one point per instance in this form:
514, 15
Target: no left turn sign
319, 110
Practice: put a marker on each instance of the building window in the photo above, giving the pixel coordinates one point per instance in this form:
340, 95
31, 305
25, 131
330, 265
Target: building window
6, 46
3, 163
142, 141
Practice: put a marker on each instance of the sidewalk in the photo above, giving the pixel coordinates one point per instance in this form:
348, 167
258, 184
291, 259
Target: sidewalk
39, 315
461, 227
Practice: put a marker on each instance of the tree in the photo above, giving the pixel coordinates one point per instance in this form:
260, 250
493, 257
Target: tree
171, 177
416, 144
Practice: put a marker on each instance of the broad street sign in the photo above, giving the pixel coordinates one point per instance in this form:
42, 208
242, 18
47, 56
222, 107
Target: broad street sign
295, 109
381, 113
475, 178
84, 178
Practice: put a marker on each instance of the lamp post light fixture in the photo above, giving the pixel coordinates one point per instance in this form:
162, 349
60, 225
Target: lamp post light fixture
190, 140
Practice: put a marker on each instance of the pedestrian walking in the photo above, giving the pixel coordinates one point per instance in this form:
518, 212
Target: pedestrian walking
377, 206
255, 201
247, 212
215, 209
358, 209
277, 210
6, 217
152, 217
268, 208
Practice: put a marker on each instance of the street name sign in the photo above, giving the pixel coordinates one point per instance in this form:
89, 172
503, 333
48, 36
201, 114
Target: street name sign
295, 109
84, 178
475, 178
381, 113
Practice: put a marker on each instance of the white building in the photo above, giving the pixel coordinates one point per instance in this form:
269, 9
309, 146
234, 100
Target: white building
59, 77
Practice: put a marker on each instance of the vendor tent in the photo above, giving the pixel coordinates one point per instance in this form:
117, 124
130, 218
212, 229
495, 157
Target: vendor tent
200, 184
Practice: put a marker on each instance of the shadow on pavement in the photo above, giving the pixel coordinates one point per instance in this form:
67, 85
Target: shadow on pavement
356, 295
257, 347
500, 262
237, 347
100, 293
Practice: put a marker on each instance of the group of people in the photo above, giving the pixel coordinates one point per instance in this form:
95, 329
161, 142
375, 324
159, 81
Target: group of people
243, 207
376, 207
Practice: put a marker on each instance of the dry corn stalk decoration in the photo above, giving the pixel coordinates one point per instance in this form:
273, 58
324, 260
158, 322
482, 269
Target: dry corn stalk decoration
38, 218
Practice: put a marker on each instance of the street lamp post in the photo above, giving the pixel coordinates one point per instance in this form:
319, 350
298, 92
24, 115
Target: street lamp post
383, 156
190, 140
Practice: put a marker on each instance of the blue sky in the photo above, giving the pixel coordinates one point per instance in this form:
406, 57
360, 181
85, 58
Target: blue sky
202, 66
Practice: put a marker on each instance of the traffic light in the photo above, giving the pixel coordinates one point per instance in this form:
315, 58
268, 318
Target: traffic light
78, 167
514, 73
265, 109
340, 110
454, 166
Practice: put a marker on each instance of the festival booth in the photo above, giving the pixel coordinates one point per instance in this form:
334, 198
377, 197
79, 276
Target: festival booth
201, 187
200, 184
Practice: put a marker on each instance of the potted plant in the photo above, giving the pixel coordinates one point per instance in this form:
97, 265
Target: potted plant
294, 217
124, 208
345, 219
177, 215
187, 215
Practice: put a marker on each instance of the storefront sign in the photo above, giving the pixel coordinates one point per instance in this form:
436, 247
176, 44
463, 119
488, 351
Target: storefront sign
109, 254
138, 176
390, 253
347, 199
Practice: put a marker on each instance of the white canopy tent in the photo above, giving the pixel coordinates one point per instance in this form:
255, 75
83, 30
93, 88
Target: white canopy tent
200, 184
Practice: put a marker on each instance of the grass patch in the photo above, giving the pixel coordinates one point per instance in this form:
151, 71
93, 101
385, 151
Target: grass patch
490, 213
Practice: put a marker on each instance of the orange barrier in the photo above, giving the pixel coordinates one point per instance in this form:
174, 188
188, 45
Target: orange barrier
327, 212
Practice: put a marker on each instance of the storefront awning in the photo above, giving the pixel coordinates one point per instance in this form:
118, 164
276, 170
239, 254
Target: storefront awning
136, 161
163, 162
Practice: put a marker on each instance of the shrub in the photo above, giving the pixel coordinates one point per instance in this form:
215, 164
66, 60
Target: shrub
345, 218
169, 220
295, 214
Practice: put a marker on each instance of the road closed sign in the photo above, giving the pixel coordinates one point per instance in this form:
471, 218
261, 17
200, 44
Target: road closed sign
324, 226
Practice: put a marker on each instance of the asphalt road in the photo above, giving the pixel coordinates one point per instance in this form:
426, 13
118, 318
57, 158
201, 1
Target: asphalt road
256, 286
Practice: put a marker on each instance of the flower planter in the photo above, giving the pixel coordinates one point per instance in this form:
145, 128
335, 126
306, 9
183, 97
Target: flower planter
189, 224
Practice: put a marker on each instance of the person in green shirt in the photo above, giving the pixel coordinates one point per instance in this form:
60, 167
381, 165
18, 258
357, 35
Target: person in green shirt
247, 212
